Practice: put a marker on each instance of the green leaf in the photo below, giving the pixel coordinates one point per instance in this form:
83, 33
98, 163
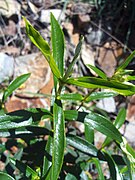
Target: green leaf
48, 174
114, 171
82, 145
89, 133
117, 123
100, 95
11, 122
98, 71
71, 115
22, 118
92, 82
37, 39
120, 118
130, 78
59, 139
96, 121
24, 132
57, 44
77, 52
130, 154
78, 49
26, 170
42, 45
128, 163
126, 62
4, 176
14, 85
71, 97
48, 156
99, 168
103, 125
70, 177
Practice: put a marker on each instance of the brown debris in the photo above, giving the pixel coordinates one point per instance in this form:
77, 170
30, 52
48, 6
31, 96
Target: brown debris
37, 65
131, 109
107, 57
16, 103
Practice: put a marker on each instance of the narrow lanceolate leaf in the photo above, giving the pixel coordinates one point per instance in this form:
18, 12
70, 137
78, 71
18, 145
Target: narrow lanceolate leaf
22, 118
48, 157
103, 125
96, 121
77, 52
7, 122
89, 133
92, 82
37, 39
59, 139
14, 85
57, 43
99, 168
4, 176
26, 170
126, 62
114, 171
42, 45
130, 78
100, 95
98, 71
129, 156
82, 145
71, 97
120, 118
117, 123
25, 130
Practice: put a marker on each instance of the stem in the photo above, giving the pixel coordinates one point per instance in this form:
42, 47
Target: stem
61, 84
85, 97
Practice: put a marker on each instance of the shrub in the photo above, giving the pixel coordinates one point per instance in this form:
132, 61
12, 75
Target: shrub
65, 154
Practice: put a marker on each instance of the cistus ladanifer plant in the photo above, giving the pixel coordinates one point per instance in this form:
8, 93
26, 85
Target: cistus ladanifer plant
64, 154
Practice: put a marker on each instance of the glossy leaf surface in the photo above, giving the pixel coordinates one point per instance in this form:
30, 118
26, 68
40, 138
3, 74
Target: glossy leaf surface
77, 52
126, 62
14, 85
57, 44
71, 97
4, 176
89, 133
98, 71
96, 121
114, 171
129, 156
71, 115
120, 118
24, 131
92, 82
48, 156
22, 118
43, 46
103, 125
26, 170
82, 145
59, 139
100, 95
117, 123
99, 168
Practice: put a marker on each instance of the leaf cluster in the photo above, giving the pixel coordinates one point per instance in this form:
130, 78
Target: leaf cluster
65, 154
